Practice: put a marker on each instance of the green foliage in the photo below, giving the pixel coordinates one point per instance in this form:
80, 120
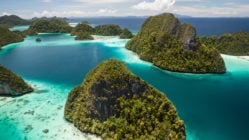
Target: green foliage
108, 30
125, 34
83, 31
15, 82
172, 46
115, 104
46, 25
7, 36
232, 44
13, 20
83, 36
83, 27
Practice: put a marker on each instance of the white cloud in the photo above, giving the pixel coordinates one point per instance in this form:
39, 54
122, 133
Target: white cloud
157, 5
189, 0
6, 13
101, 1
202, 11
47, 13
47, 1
106, 11
75, 13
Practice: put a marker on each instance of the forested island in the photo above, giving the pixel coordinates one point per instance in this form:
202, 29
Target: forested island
83, 31
173, 46
12, 84
13, 20
232, 44
49, 25
8, 37
114, 103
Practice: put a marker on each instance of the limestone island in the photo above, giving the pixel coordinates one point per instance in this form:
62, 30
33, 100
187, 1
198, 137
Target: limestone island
8, 37
113, 103
173, 46
83, 31
236, 43
12, 84
49, 25
13, 20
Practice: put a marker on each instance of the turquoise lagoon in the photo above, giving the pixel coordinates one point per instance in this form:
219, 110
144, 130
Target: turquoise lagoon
19, 28
213, 107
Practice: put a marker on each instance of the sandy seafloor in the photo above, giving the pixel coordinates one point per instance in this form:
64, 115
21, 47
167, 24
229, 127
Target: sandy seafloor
39, 115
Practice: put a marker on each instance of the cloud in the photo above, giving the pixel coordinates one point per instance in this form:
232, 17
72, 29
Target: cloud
106, 11
202, 11
76, 13
157, 5
47, 13
6, 14
101, 1
47, 1
189, 0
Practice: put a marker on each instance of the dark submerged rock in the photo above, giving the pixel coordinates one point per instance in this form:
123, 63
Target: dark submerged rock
38, 39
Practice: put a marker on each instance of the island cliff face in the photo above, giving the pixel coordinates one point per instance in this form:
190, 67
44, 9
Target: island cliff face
11, 84
233, 44
7, 36
49, 25
173, 46
83, 31
116, 104
13, 20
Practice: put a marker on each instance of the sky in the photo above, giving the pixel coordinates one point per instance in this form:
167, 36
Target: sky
92, 8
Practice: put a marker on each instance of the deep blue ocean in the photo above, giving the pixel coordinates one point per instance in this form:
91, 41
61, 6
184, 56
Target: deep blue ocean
213, 107
204, 26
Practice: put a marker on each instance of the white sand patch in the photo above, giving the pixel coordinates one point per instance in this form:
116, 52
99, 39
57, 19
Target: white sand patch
236, 63
131, 57
110, 41
244, 57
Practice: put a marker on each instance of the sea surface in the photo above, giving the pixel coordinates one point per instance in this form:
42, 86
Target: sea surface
213, 107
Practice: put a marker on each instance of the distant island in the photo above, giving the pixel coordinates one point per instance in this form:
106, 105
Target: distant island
12, 84
49, 25
173, 46
13, 20
82, 31
8, 37
232, 44
114, 103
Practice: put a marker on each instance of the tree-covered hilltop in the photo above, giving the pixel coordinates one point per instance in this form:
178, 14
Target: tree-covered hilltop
125, 34
83, 31
232, 44
11, 84
114, 103
173, 46
7, 36
49, 25
13, 20
108, 30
